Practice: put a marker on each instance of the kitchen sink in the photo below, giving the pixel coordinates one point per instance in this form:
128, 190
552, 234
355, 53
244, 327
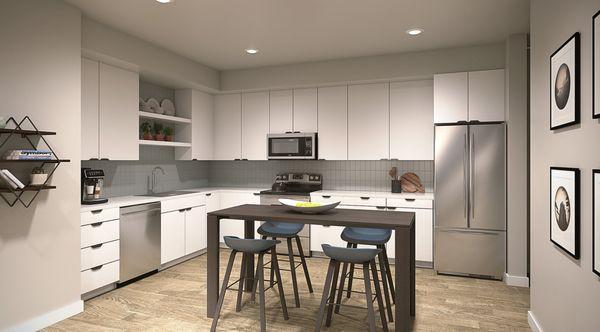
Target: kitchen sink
168, 194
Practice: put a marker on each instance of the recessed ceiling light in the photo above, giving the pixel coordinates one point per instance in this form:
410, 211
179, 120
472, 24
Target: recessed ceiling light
414, 31
165, 1
251, 51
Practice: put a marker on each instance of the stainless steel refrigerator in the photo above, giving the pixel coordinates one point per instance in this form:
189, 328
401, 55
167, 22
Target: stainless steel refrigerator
470, 199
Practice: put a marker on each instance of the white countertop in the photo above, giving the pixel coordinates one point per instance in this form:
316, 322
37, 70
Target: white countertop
374, 194
120, 201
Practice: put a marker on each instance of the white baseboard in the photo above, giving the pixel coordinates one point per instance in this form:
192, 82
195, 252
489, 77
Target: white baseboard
49, 318
533, 322
517, 281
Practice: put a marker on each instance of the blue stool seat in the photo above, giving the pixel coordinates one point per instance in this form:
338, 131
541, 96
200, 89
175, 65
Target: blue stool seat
279, 229
370, 236
249, 245
350, 255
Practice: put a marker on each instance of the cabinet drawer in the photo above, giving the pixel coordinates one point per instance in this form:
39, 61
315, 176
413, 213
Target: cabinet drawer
320, 234
349, 200
94, 216
410, 203
182, 203
99, 276
101, 232
99, 254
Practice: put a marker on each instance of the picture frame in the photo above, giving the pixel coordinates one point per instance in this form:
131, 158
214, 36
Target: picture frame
564, 84
564, 209
596, 65
596, 221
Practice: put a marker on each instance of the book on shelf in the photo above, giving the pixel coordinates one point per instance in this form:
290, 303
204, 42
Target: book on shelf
11, 180
28, 155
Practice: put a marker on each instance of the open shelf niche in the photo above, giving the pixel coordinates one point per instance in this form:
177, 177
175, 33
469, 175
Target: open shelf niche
12, 196
181, 122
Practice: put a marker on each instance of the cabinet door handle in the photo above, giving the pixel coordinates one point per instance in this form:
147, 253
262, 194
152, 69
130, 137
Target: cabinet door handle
96, 224
365, 198
256, 194
94, 159
208, 194
237, 159
96, 268
410, 199
96, 246
188, 209
182, 210
380, 207
96, 211
391, 208
104, 159
326, 196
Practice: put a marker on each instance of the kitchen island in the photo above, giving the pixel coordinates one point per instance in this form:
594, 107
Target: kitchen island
401, 222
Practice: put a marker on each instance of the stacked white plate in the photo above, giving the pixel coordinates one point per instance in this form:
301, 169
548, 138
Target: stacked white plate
168, 107
154, 106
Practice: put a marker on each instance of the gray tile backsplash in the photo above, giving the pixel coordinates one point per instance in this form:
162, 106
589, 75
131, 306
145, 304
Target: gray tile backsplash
337, 175
132, 177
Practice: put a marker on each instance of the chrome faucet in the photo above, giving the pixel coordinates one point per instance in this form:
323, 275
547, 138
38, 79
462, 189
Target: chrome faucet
152, 188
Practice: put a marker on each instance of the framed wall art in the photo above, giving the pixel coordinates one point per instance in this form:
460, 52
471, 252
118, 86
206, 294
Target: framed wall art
564, 209
596, 221
564, 84
596, 65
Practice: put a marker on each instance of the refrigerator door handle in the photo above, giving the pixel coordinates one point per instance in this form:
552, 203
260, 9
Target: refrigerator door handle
465, 176
471, 178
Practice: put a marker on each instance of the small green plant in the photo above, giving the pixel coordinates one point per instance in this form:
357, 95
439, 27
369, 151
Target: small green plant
146, 128
168, 131
38, 170
158, 128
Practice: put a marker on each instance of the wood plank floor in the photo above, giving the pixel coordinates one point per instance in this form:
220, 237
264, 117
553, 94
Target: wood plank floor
175, 300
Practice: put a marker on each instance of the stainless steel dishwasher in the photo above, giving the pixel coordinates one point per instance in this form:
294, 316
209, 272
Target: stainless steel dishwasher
139, 240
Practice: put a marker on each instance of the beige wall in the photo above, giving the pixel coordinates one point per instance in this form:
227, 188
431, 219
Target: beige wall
153, 63
40, 76
517, 118
393, 66
565, 294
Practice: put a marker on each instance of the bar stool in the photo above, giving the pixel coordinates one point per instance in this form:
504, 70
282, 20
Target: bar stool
249, 247
375, 237
288, 231
363, 256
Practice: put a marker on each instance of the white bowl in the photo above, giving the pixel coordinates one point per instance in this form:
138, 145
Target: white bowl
291, 204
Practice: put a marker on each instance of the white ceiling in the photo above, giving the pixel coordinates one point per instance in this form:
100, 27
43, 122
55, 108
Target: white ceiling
216, 32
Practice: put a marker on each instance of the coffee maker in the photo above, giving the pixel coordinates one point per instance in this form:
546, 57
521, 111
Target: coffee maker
91, 186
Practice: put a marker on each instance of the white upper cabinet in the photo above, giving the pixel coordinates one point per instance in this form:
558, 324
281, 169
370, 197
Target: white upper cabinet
451, 97
472, 96
411, 120
368, 121
280, 111
119, 121
305, 110
202, 125
255, 125
486, 95
89, 109
228, 127
333, 122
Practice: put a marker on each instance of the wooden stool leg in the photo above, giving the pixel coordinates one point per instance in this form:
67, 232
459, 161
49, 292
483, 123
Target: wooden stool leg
369, 297
293, 271
279, 284
238, 305
261, 292
351, 276
332, 295
389, 275
378, 295
304, 266
342, 282
384, 281
324, 297
213, 327
272, 276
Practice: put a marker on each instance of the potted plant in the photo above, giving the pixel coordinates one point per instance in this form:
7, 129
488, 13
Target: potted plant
158, 132
38, 176
168, 134
146, 129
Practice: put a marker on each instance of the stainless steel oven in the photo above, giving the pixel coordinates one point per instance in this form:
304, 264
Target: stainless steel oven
292, 145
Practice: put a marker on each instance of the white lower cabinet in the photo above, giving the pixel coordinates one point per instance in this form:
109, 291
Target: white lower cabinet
195, 229
232, 227
423, 235
320, 234
172, 235
99, 276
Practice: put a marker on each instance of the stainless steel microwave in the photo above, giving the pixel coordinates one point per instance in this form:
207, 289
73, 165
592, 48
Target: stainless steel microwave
294, 145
